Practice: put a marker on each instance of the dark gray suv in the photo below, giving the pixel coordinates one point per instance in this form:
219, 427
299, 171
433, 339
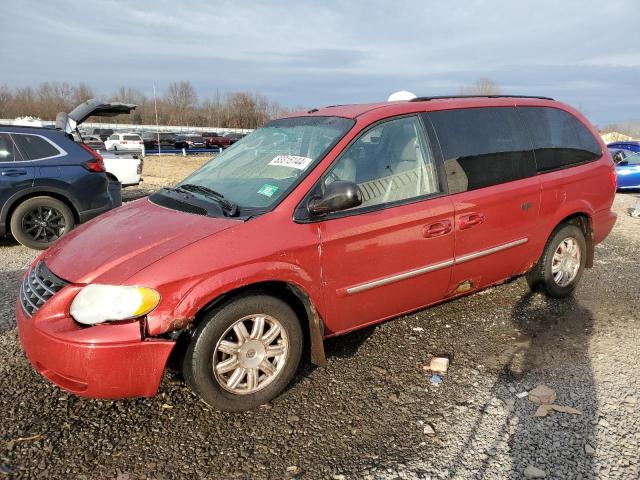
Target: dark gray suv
49, 182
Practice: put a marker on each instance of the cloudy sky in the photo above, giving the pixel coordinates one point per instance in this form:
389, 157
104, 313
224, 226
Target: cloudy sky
315, 53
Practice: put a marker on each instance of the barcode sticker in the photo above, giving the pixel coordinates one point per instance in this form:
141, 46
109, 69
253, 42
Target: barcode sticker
292, 161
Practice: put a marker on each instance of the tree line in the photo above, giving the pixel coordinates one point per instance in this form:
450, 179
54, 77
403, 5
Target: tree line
179, 104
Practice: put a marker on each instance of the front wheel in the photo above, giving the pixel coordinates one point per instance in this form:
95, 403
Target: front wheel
562, 263
244, 354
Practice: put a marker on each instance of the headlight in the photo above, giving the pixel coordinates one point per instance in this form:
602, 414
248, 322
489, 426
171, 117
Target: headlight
103, 303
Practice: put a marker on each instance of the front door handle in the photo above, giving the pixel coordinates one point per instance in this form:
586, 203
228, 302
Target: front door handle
437, 229
469, 220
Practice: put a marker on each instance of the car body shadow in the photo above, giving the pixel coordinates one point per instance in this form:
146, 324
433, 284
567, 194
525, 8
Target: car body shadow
552, 331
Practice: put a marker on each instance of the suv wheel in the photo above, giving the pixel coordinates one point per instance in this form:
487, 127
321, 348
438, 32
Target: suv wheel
562, 263
244, 354
40, 221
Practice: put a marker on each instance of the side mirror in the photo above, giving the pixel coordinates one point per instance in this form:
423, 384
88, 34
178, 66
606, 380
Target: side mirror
338, 195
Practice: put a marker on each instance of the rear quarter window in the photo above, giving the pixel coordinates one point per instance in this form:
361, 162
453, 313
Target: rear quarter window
482, 147
559, 139
131, 137
34, 147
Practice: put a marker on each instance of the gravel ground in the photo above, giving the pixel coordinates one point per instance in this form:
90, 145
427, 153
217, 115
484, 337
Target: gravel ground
372, 413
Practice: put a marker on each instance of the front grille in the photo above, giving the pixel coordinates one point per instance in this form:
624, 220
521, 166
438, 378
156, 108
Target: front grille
38, 286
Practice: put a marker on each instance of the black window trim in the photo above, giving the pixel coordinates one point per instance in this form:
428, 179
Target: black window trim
61, 151
301, 213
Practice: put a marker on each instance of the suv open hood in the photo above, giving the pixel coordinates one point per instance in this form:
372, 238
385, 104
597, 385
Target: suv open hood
69, 121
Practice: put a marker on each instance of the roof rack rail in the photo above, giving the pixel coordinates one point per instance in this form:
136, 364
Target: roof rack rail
439, 97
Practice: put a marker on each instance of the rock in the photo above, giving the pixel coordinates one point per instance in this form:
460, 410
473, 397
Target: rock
379, 370
543, 395
429, 430
293, 418
534, 472
631, 400
589, 450
603, 422
292, 469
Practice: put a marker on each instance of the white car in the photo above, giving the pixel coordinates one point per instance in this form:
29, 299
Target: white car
124, 141
126, 169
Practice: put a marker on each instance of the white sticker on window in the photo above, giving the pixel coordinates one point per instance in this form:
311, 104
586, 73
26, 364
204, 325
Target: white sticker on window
292, 161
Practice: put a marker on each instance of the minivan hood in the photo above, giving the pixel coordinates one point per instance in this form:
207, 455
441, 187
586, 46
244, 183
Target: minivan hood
118, 244
69, 121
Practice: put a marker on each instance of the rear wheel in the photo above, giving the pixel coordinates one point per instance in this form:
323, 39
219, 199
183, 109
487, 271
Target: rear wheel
244, 354
40, 221
562, 263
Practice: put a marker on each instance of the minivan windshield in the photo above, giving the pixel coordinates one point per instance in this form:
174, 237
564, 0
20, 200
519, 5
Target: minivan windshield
260, 169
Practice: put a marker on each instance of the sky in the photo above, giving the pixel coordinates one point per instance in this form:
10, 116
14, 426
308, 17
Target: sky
315, 53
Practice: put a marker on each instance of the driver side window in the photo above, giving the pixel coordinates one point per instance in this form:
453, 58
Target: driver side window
389, 163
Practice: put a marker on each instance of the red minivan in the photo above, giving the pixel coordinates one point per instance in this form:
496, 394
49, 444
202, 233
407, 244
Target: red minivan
310, 227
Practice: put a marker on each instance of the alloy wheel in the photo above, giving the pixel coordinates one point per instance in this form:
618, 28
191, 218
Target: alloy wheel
566, 262
44, 224
250, 354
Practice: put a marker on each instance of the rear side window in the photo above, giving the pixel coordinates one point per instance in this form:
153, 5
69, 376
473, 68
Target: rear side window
8, 150
34, 147
482, 147
131, 137
559, 139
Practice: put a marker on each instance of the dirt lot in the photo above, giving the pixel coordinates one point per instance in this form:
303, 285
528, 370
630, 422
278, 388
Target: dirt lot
162, 171
372, 413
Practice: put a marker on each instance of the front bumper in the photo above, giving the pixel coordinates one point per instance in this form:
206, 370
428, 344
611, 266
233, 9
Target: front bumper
104, 361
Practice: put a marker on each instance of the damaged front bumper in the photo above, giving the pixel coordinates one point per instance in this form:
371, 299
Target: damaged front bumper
103, 361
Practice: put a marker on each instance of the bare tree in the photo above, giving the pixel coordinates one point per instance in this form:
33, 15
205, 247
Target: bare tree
181, 97
482, 86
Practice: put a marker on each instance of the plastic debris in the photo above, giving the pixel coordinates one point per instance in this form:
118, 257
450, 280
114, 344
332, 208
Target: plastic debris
436, 380
522, 394
439, 365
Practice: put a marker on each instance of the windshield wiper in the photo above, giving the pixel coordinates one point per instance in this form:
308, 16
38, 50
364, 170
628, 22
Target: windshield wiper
228, 205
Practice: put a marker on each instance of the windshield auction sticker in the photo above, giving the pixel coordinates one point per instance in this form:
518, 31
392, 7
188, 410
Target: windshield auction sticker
292, 161
267, 190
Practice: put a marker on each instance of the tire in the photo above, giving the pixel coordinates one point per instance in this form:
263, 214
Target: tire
541, 277
215, 385
40, 221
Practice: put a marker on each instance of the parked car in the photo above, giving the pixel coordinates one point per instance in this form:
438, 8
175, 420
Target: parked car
93, 142
102, 133
150, 140
632, 145
213, 139
123, 168
234, 137
627, 168
124, 141
380, 210
190, 141
48, 182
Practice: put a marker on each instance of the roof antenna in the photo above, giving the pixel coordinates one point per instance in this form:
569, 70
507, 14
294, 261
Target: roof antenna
401, 96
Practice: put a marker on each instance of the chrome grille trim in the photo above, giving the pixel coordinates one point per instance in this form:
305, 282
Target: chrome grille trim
37, 287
